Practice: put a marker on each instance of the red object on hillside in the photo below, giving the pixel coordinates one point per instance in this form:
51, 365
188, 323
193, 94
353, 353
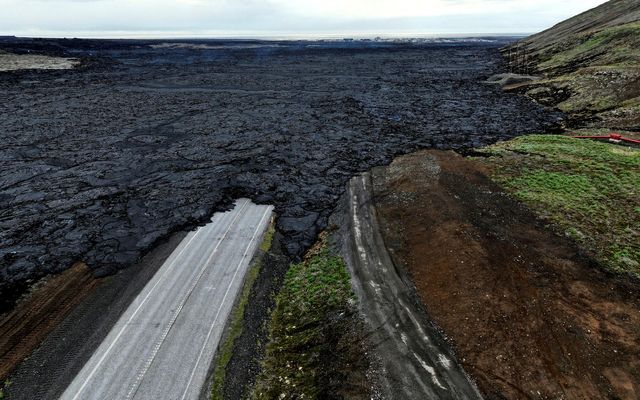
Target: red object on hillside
613, 137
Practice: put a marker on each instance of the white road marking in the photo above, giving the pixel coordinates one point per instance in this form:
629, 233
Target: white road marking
106, 353
253, 238
177, 319
136, 383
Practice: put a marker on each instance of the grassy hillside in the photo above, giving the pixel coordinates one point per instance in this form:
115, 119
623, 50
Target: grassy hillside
586, 189
591, 66
615, 46
610, 14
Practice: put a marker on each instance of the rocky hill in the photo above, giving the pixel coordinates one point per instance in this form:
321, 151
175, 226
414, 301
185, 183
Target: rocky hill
590, 66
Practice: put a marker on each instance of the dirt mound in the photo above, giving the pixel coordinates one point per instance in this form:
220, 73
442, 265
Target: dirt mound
529, 316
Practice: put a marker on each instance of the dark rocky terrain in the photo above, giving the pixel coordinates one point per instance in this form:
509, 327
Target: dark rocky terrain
102, 162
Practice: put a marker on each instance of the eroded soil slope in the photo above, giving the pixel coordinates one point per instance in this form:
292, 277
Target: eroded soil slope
102, 162
529, 317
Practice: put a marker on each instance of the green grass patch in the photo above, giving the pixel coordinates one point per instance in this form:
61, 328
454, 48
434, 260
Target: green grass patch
310, 316
225, 352
589, 190
268, 238
4, 385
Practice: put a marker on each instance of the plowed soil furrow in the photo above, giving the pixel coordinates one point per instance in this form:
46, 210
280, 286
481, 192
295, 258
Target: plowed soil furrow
27, 325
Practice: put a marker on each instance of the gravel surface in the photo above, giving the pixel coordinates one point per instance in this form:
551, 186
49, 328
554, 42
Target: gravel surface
417, 363
102, 162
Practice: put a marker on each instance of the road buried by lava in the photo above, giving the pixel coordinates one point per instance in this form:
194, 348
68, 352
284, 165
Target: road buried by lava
102, 162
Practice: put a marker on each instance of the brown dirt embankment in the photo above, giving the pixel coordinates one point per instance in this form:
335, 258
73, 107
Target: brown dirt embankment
529, 316
24, 328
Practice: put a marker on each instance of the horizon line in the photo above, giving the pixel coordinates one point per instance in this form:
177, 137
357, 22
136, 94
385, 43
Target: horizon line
176, 35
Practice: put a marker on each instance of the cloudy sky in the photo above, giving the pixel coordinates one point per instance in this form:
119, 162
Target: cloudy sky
275, 18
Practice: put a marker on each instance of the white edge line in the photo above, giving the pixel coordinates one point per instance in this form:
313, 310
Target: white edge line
136, 383
104, 356
253, 238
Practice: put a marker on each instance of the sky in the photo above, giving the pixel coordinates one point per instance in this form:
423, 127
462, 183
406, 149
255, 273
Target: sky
281, 18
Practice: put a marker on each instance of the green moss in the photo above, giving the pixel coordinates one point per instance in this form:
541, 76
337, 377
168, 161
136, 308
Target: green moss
561, 58
268, 238
312, 292
593, 76
559, 190
632, 103
4, 385
225, 351
626, 258
588, 189
596, 89
619, 45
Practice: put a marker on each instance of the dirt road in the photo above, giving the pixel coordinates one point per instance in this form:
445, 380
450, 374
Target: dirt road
417, 363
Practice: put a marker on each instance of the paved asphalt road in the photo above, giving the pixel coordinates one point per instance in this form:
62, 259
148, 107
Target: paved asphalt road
163, 344
418, 363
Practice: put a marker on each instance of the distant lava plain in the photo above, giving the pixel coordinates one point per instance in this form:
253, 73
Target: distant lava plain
146, 138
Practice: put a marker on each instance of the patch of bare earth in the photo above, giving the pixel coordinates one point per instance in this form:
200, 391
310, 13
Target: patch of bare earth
529, 316
24, 328
14, 62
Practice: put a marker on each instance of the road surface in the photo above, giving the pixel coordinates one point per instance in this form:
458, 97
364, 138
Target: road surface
416, 361
163, 344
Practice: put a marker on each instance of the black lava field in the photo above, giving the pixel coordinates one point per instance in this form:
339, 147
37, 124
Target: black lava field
147, 138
